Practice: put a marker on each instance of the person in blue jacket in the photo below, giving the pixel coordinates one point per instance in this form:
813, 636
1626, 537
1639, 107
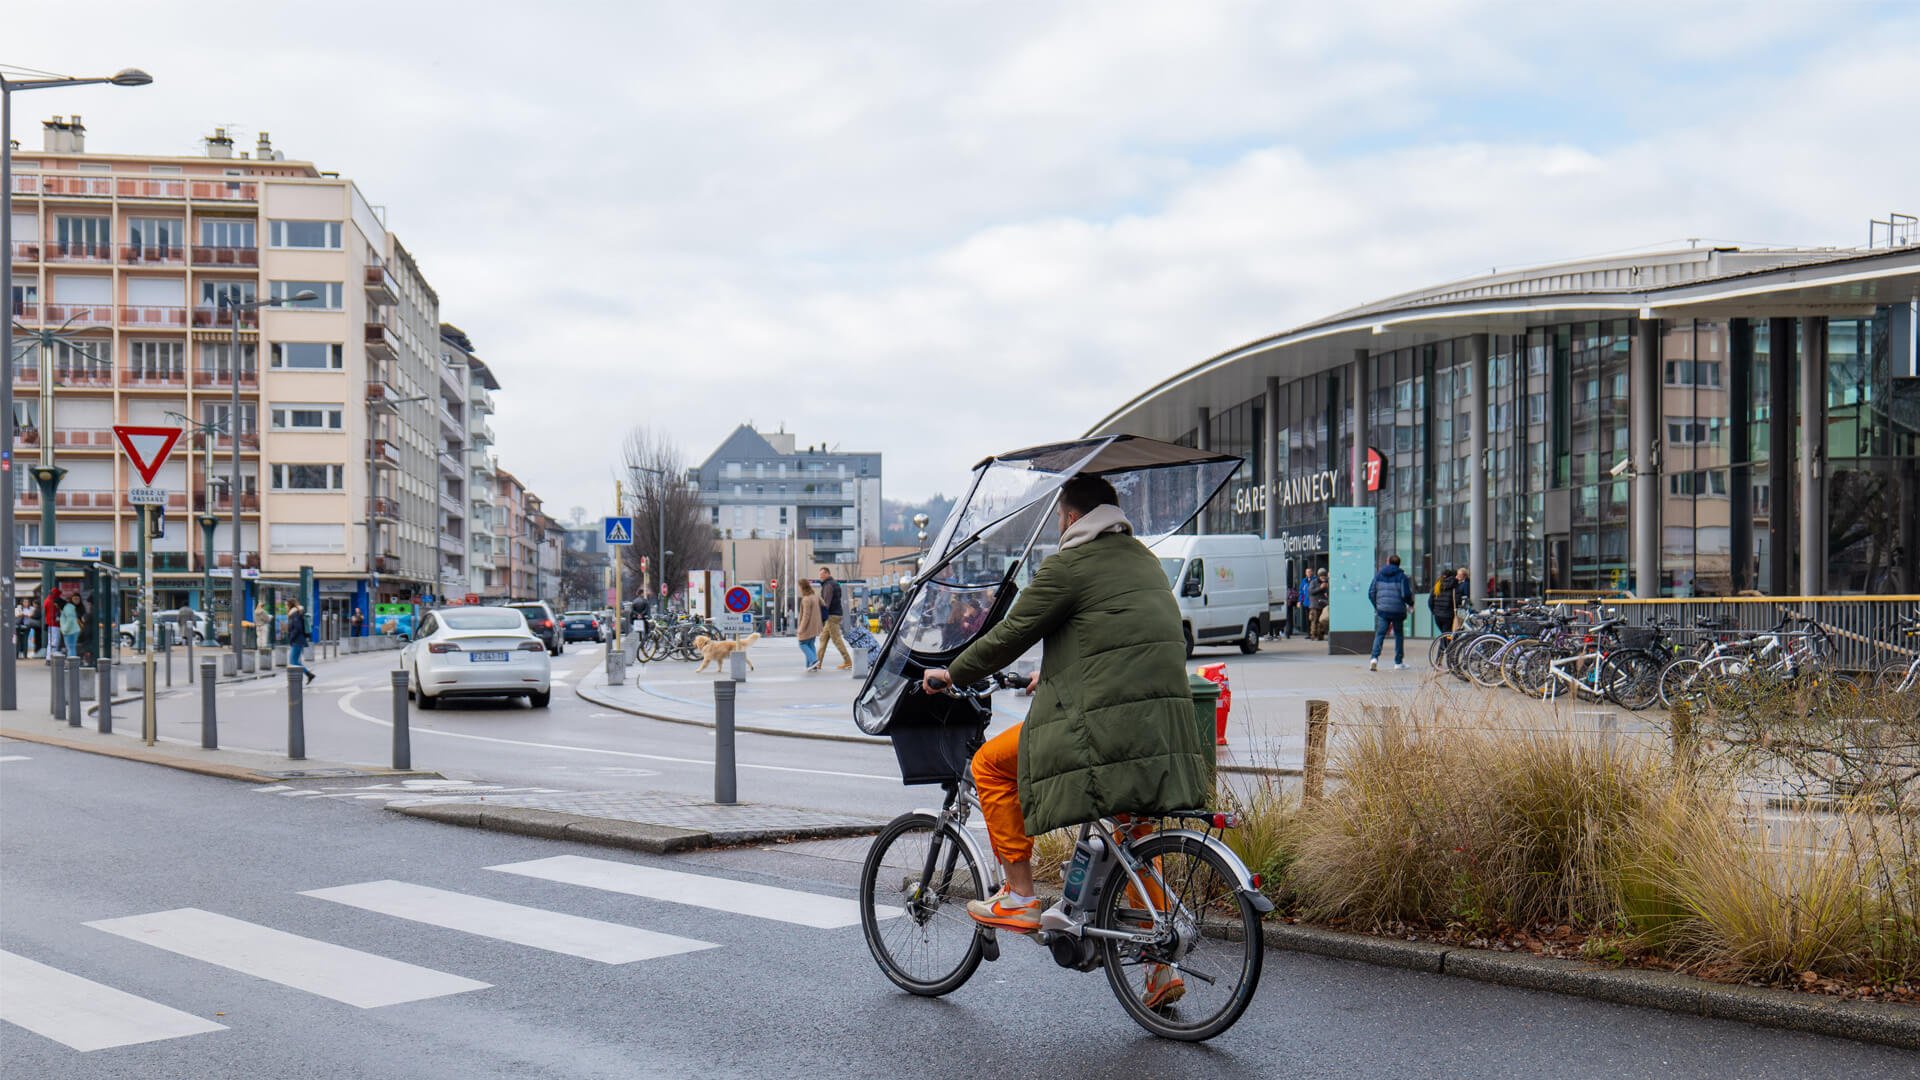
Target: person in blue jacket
1391, 595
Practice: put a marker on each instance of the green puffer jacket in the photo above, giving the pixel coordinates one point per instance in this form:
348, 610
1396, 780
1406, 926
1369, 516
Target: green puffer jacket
1111, 728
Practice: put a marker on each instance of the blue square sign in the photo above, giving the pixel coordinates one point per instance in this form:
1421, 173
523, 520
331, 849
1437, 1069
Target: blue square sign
616, 531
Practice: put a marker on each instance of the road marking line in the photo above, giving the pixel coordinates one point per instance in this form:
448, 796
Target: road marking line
84, 1014
719, 894
350, 976
589, 939
347, 707
14, 757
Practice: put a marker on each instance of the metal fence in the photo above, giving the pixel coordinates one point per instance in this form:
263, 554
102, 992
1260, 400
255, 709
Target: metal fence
1864, 629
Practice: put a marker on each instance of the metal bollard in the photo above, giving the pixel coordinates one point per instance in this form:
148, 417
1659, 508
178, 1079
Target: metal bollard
402, 739
724, 788
296, 715
190, 668
209, 720
73, 691
1313, 769
149, 709
168, 638
737, 667
57, 695
104, 704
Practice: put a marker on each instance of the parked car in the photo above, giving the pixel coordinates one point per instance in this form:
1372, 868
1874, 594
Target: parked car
476, 652
202, 628
544, 626
583, 626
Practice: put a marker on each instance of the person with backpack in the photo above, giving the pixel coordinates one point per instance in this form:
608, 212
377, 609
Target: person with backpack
1391, 595
297, 639
1321, 594
1442, 602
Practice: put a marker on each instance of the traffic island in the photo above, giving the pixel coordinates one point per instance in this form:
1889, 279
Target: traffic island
651, 822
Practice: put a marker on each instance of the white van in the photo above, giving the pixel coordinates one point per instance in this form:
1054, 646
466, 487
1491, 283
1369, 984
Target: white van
1225, 586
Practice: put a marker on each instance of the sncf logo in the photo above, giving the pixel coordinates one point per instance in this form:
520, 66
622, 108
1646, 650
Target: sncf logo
1376, 465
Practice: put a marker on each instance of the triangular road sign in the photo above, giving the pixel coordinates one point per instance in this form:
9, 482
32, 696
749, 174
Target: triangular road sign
147, 447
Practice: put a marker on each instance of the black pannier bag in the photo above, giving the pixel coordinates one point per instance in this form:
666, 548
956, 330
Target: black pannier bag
934, 736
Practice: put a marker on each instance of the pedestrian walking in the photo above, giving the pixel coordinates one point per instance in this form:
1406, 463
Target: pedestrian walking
262, 625
1391, 595
89, 635
832, 610
297, 639
809, 626
1320, 595
356, 622
1462, 597
23, 628
1441, 601
50, 624
70, 626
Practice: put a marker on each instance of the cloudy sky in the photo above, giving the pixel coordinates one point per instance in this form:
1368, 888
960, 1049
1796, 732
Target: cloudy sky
946, 228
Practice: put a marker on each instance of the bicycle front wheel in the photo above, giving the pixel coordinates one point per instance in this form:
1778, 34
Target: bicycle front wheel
1212, 947
1632, 679
914, 890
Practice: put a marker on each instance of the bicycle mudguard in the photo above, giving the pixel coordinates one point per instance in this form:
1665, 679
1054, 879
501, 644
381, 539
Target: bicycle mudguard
1245, 877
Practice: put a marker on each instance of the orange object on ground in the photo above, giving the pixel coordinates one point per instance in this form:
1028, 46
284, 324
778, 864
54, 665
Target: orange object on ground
1217, 673
996, 779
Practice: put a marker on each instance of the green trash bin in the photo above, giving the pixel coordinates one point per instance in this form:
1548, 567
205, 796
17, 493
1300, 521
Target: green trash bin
1206, 696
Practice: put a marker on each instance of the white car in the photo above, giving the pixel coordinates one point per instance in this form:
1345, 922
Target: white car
476, 652
202, 628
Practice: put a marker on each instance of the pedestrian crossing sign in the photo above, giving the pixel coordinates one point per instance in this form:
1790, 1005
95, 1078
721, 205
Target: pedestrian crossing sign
617, 530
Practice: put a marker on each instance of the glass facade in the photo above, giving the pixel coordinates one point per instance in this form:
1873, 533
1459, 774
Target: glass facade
1558, 424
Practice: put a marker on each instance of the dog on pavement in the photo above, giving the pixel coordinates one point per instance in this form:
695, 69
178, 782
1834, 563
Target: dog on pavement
714, 650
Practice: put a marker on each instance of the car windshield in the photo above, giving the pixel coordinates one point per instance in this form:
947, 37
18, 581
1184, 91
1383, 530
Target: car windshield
481, 620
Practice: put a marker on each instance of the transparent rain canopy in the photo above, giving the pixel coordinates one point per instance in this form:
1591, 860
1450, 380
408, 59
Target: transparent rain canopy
993, 539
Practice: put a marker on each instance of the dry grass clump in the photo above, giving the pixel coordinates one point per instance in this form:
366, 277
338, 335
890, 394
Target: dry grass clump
1441, 820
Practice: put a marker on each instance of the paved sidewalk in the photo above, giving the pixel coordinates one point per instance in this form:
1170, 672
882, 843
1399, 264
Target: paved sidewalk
641, 821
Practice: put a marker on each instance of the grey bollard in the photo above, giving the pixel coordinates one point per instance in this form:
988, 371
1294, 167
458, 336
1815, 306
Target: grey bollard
104, 706
724, 787
73, 691
57, 681
209, 719
190, 667
246, 661
169, 663
229, 667
737, 665
402, 739
296, 715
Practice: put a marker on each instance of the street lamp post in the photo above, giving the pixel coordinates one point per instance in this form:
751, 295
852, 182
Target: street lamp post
9, 547
235, 307
660, 519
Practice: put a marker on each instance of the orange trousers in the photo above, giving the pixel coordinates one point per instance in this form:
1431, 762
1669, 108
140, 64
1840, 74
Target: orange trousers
996, 779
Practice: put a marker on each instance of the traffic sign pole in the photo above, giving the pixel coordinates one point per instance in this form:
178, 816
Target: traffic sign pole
149, 718
619, 594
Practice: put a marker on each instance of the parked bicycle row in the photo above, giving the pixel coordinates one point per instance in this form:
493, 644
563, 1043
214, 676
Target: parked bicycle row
1590, 651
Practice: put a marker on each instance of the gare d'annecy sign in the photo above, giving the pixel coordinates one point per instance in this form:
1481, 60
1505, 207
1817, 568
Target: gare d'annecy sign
1300, 489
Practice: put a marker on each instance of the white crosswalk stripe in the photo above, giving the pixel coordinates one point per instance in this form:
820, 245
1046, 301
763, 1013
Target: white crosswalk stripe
718, 894
332, 971
84, 1014
14, 757
590, 939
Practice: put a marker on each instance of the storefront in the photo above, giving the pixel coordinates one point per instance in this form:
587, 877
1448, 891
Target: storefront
1750, 422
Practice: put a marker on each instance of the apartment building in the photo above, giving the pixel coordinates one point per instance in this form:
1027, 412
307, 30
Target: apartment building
361, 446
761, 485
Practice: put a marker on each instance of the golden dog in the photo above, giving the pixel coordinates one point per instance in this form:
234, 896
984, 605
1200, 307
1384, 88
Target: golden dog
712, 650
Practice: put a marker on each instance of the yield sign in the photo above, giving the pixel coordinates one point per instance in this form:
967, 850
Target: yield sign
147, 447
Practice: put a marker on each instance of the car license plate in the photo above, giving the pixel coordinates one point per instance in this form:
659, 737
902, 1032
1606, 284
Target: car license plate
487, 658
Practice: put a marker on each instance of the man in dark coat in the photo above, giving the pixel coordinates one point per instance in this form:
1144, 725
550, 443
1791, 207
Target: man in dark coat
1391, 595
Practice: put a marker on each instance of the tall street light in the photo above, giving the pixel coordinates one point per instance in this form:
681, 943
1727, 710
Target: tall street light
9, 550
235, 307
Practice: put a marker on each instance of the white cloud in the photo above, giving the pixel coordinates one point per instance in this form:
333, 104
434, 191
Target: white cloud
941, 230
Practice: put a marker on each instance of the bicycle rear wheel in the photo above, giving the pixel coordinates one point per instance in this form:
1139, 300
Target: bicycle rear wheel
1676, 681
1632, 679
916, 923
1214, 948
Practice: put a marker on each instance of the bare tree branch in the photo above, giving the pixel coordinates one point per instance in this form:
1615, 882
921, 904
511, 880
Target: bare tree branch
657, 490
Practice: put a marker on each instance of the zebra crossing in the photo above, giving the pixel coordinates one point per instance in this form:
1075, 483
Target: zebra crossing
86, 1015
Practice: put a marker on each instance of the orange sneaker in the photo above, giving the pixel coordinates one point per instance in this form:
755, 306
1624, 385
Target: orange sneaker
1163, 987
1001, 913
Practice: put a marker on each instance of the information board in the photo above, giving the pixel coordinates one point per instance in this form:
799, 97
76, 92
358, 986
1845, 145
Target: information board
1352, 540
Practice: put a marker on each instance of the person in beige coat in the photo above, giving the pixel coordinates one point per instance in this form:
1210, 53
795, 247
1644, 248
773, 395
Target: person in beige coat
809, 627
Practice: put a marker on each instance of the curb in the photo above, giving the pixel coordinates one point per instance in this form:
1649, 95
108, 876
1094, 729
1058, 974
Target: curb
1862, 1021
145, 755
609, 832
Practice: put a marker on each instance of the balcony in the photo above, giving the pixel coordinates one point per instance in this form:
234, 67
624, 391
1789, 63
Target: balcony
153, 378
386, 563
382, 345
102, 500
381, 288
451, 464
26, 313
223, 377
153, 255
62, 251
227, 191
249, 441
51, 186
207, 317
452, 545
451, 504
83, 376
379, 390
173, 318
223, 501
140, 188
72, 438
249, 560
450, 421
385, 455
79, 314
26, 251
222, 255
26, 371
384, 507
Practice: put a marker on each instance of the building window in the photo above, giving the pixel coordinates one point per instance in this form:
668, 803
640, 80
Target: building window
226, 233
307, 356
326, 294
214, 358
783, 515
714, 513
160, 237
1689, 431
1703, 482
305, 234
299, 539
307, 417
1693, 373
216, 294
214, 414
83, 237
308, 478
157, 359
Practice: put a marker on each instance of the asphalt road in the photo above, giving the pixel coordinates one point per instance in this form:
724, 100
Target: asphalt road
197, 891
